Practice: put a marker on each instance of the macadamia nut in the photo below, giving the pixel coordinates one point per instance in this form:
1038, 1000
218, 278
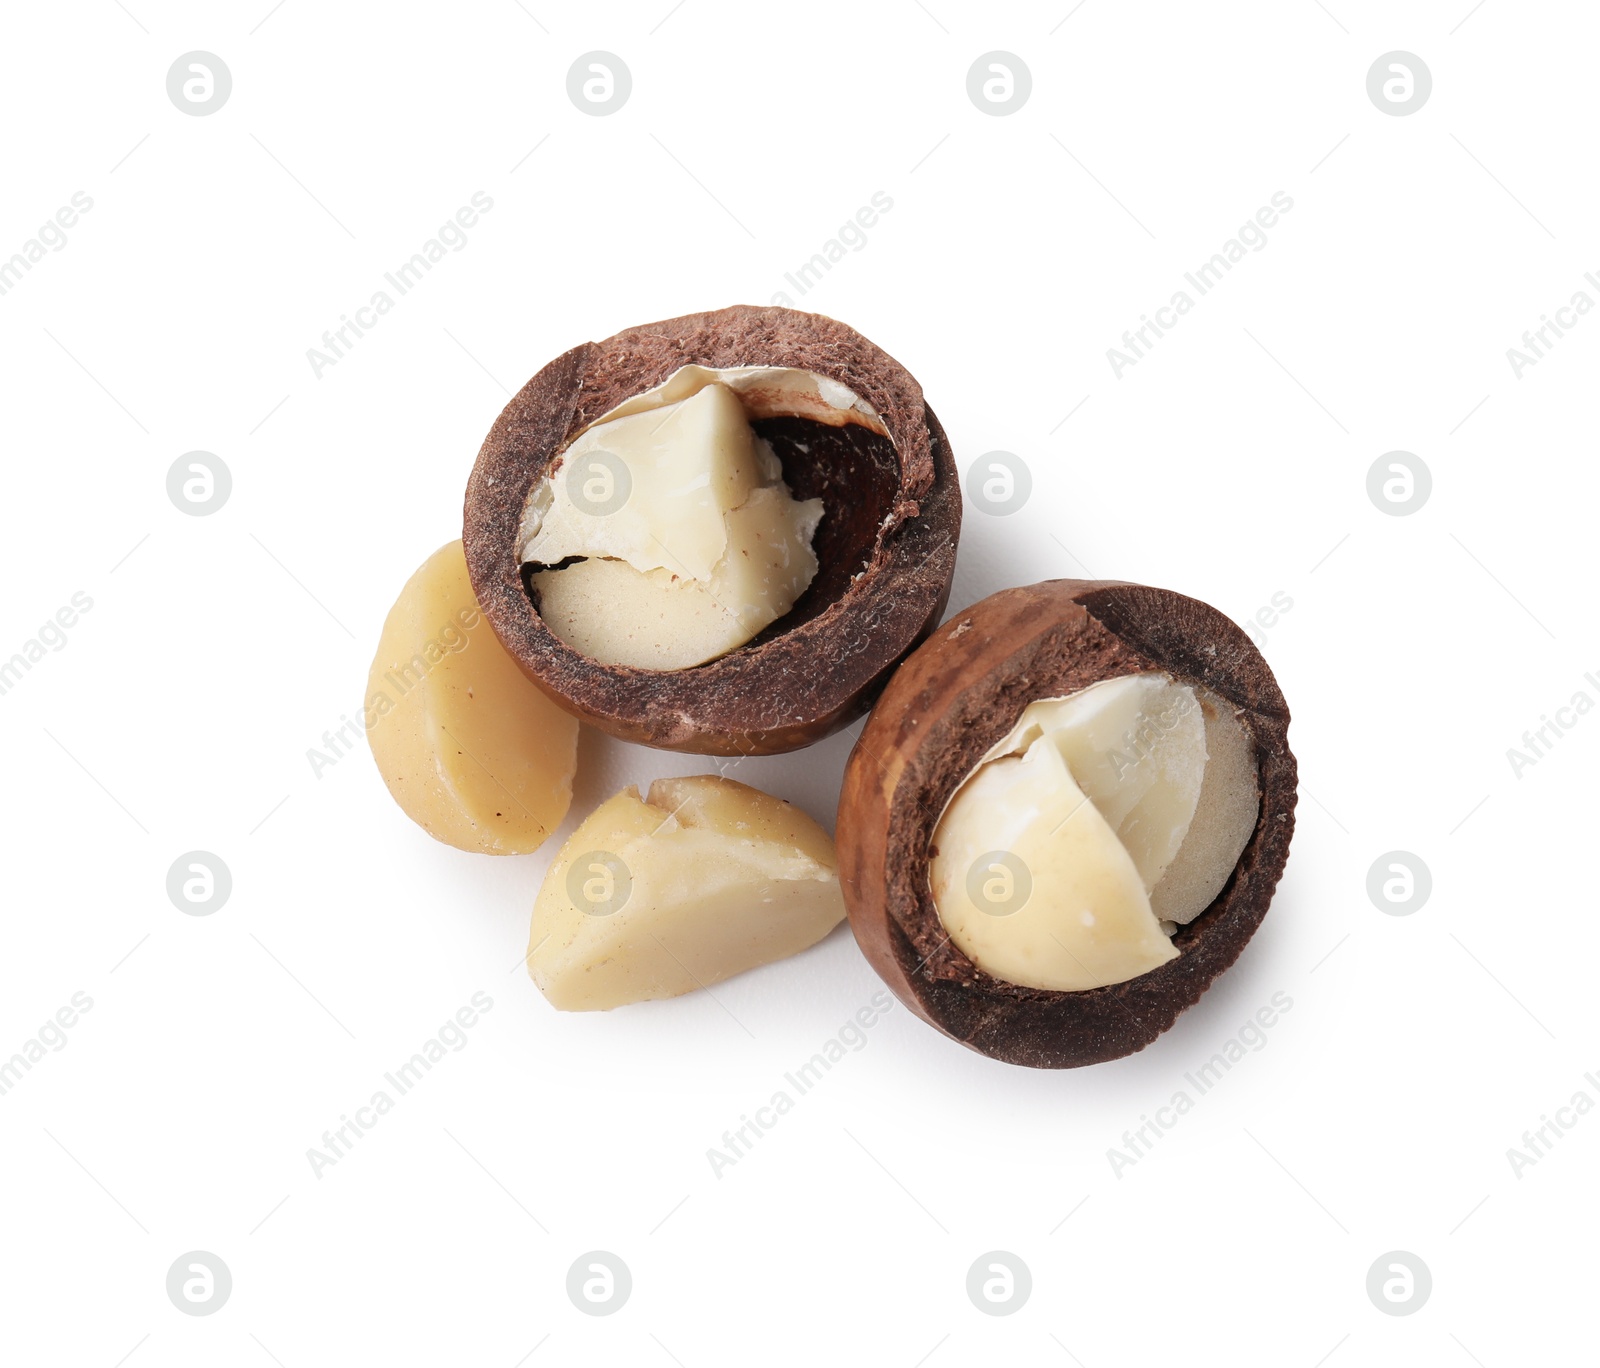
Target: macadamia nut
1101, 820
703, 879
470, 748
668, 537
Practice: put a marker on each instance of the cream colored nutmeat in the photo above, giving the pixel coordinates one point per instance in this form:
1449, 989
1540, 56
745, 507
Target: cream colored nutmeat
657, 620
689, 541
1224, 816
703, 879
1086, 919
686, 465
1122, 809
472, 751
1136, 746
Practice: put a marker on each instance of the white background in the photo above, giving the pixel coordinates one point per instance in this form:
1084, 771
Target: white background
1230, 463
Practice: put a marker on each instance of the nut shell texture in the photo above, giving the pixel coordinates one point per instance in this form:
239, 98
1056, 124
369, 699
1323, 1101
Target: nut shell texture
955, 697
886, 546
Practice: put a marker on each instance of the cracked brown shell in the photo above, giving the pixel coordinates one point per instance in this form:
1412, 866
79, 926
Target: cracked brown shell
886, 546
955, 697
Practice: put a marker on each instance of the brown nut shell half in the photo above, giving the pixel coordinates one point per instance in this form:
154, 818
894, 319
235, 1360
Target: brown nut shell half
886, 546
954, 698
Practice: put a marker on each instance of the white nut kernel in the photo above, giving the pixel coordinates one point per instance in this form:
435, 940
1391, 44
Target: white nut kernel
651, 898
470, 748
1100, 825
669, 534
